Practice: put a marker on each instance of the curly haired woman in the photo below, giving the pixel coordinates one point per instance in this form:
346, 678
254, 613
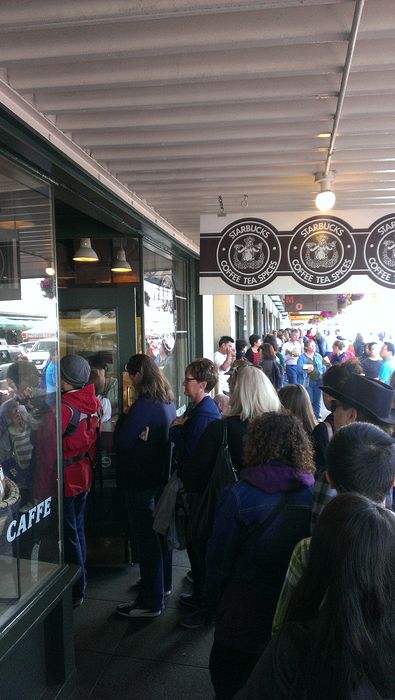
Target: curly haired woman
258, 522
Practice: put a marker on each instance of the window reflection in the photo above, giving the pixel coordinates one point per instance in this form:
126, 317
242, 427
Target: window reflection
165, 317
29, 529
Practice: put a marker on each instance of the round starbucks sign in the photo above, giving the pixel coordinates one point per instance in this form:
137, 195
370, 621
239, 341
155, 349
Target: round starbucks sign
321, 252
248, 253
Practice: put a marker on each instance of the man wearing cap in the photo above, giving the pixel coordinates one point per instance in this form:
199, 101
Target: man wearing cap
359, 399
81, 422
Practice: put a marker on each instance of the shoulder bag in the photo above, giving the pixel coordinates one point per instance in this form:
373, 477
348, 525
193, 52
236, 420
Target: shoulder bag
201, 517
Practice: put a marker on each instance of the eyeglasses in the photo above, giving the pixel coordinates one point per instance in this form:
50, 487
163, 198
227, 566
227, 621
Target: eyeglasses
190, 379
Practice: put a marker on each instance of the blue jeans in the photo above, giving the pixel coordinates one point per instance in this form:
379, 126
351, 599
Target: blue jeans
292, 374
74, 538
315, 393
155, 557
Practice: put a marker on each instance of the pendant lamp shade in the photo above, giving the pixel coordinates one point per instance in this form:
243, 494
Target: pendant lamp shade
120, 264
85, 252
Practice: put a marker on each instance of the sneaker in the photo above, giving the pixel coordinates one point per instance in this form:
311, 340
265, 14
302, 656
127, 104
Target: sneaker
194, 621
131, 608
189, 600
189, 576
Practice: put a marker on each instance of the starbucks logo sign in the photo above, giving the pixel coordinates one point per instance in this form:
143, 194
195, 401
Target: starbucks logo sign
248, 253
379, 251
321, 252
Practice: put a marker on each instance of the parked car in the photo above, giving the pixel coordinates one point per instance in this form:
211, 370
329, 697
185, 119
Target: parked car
27, 345
8, 355
39, 353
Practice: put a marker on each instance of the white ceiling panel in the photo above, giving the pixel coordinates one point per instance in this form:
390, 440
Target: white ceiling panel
185, 100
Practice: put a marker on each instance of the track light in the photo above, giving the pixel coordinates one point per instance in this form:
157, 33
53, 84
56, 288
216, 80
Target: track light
85, 252
325, 199
221, 210
120, 264
244, 201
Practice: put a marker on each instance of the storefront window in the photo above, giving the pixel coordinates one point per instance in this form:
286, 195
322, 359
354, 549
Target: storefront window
29, 513
165, 317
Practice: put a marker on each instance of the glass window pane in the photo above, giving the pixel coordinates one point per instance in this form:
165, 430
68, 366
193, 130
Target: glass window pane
29, 513
165, 317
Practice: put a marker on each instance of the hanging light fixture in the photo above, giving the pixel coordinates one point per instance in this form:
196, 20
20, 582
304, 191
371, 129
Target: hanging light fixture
50, 270
221, 210
85, 252
325, 199
244, 201
120, 264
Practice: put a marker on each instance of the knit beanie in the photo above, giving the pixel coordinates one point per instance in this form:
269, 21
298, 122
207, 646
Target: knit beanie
75, 370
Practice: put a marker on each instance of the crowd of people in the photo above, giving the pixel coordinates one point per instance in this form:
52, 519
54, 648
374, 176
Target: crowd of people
297, 611
295, 569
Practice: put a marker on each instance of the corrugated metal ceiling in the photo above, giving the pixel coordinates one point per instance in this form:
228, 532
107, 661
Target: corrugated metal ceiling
186, 100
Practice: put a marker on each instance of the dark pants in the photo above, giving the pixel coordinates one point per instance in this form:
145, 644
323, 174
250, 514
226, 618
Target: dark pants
197, 558
154, 556
315, 394
74, 537
230, 670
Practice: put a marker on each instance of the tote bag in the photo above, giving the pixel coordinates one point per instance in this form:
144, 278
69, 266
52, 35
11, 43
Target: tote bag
202, 512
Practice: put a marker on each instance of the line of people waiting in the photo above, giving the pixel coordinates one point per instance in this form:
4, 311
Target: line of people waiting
289, 468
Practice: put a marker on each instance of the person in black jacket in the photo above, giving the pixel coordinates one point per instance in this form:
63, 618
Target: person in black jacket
141, 440
252, 395
252, 354
339, 636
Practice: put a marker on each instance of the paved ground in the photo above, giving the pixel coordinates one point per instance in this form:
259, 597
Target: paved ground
138, 659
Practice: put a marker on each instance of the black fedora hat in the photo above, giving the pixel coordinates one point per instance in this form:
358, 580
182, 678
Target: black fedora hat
368, 395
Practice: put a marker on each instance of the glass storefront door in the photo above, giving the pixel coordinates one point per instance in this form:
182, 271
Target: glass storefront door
103, 331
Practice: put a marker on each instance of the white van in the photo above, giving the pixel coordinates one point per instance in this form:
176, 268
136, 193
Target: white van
39, 353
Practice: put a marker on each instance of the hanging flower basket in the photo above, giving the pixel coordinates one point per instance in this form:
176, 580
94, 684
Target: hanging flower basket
47, 288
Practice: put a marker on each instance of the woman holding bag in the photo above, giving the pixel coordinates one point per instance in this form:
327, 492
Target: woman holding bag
252, 395
310, 368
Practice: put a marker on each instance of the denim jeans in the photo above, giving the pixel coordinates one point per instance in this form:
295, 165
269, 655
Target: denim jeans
74, 537
292, 374
315, 393
155, 557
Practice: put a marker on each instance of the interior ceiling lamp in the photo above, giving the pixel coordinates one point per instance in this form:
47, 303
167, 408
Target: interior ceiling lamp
221, 210
85, 252
50, 270
325, 199
244, 201
120, 264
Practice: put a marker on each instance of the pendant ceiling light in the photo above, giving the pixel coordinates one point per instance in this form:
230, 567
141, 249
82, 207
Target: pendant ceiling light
120, 264
325, 199
85, 252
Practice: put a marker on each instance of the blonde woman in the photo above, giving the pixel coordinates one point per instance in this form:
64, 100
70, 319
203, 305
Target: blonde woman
252, 395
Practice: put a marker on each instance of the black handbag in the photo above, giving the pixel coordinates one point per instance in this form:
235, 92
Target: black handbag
202, 509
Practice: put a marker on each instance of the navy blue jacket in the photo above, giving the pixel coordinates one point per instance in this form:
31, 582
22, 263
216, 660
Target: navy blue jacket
245, 573
144, 464
185, 437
